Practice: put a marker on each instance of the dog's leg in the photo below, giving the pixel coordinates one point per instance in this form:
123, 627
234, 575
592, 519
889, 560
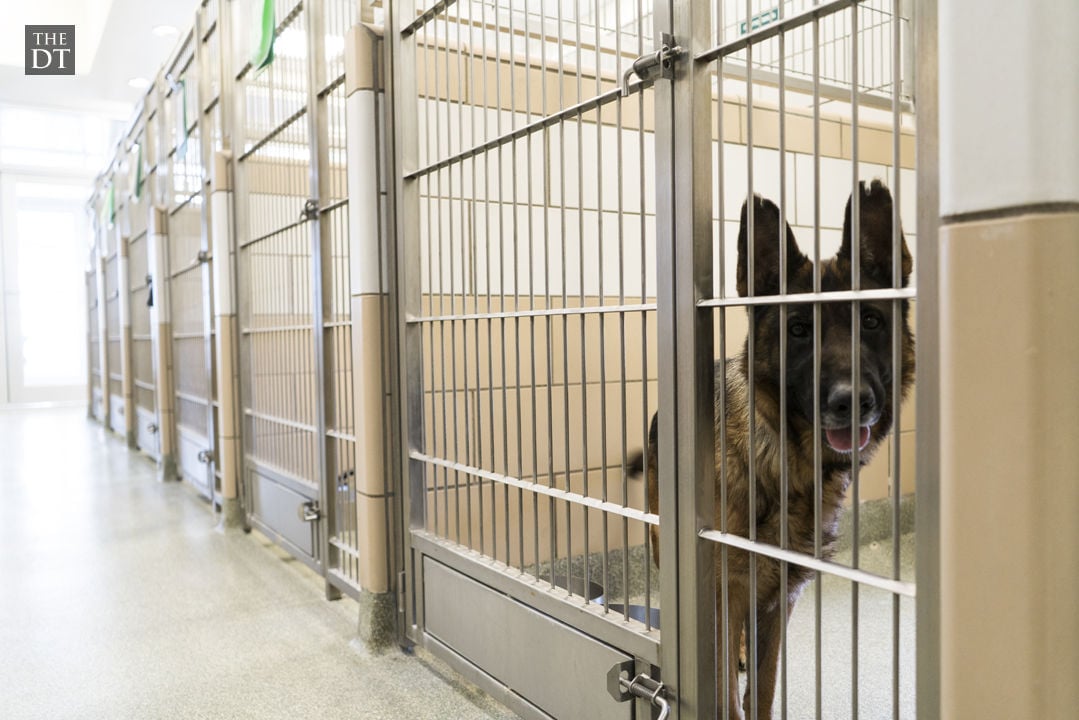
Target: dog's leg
769, 624
737, 611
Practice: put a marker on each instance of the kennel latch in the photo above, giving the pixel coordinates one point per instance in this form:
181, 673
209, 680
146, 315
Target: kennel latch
310, 511
311, 210
663, 58
622, 688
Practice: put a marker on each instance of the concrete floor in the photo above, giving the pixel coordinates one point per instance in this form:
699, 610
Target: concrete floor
119, 600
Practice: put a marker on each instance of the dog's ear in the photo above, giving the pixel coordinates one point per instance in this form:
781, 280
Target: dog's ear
875, 229
765, 249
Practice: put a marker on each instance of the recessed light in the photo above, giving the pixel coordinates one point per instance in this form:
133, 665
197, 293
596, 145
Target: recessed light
165, 30
139, 83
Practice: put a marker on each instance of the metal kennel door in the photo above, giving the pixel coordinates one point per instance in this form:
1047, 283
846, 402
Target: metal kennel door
295, 321
147, 422
113, 328
806, 105
184, 128
526, 160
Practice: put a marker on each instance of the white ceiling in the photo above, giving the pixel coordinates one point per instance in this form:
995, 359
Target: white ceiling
114, 42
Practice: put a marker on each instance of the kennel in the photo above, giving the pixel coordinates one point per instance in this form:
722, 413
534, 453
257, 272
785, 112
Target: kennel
95, 396
423, 273
569, 182
145, 421
310, 316
185, 136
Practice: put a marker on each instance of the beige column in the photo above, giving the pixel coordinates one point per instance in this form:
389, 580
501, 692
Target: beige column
161, 340
1009, 360
227, 342
363, 85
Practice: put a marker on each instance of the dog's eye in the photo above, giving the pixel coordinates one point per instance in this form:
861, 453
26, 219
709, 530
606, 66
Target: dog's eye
798, 329
872, 321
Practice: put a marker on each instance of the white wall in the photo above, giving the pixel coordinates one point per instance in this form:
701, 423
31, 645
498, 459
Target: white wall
1009, 104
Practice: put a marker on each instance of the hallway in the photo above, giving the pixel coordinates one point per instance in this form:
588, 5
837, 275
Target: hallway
118, 599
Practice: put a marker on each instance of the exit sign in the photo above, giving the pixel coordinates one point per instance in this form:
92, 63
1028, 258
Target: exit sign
760, 20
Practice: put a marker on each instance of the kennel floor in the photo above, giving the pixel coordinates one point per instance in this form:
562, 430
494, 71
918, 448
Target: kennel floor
118, 599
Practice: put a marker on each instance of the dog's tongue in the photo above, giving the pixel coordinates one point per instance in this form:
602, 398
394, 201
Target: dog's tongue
840, 438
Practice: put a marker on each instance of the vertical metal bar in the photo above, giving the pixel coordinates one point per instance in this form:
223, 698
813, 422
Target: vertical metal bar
686, 440
409, 291
605, 557
645, 259
552, 515
487, 204
619, 203
752, 689
502, 285
897, 355
856, 347
429, 199
516, 292
568, 469
531, 285
818, 479
439, 264
784, 470
722, 616
583, 317
927, 489
473, 445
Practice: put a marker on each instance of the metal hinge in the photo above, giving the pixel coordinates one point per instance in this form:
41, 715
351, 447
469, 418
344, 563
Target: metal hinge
204, 256
645, 67
622, 688
310, 210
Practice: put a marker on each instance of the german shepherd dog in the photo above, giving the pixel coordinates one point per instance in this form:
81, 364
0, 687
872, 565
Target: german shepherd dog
875, 414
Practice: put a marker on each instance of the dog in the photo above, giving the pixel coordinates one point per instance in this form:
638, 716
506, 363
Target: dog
874, 419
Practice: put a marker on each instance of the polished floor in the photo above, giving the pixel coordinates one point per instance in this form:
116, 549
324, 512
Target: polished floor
119, 600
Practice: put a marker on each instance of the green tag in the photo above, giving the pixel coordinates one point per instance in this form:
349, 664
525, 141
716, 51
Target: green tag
267, 24
134, 171
138, 171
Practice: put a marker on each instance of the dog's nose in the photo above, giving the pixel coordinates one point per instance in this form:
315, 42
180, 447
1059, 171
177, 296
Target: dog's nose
840, 398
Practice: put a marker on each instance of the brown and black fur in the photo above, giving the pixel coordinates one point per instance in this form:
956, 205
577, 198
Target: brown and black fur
876, 401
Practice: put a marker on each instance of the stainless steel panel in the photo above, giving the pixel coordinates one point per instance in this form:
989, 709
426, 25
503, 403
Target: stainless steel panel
560, 670
280, 509
149, 439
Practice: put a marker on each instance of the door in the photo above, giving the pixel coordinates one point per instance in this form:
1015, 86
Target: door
527, 229
185, 133
44, 258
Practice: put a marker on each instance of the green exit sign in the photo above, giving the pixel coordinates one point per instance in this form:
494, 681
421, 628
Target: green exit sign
760, 20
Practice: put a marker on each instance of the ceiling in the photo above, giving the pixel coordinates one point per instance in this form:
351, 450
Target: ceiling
114, 42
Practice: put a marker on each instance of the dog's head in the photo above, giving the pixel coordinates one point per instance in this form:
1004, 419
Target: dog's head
845, 420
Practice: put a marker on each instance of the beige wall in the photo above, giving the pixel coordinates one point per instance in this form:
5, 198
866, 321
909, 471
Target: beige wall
1010, 467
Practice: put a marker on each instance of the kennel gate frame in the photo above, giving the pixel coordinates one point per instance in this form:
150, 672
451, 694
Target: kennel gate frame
186, 67
642, 645
684, 280
332, 554
694, 294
